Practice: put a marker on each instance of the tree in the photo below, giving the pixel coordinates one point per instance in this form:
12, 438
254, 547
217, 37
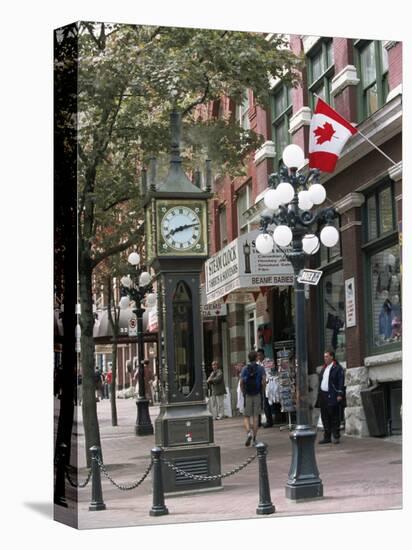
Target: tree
129, 79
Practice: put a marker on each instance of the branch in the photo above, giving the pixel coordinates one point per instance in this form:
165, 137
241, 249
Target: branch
200, 100
118, 248
89, 27
116, 202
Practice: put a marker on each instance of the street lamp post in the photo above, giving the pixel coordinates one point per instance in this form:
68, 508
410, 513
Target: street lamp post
139, 290
288, 209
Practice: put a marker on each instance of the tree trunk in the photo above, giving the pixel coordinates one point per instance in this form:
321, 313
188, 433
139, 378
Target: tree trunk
90, 421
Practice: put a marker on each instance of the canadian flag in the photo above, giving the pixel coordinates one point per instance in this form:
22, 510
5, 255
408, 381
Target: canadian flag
328, 134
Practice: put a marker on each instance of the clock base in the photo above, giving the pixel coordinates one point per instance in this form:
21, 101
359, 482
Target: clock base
200, 460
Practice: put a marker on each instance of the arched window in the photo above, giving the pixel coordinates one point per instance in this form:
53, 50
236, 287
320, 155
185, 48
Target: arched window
183, 338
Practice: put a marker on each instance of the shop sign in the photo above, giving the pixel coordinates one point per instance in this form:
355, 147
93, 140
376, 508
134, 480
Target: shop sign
152, 320
350, 303
239, 266
215, 309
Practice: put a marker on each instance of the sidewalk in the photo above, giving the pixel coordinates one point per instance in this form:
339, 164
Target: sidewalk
357, 475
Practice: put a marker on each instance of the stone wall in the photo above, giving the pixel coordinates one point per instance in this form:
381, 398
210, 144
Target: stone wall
356, 379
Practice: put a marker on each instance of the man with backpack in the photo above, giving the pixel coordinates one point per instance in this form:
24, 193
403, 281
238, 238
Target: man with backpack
252, 385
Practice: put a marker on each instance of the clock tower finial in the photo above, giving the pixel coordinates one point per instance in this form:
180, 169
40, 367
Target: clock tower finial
176, 180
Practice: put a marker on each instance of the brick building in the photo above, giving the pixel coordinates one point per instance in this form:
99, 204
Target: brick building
362, 80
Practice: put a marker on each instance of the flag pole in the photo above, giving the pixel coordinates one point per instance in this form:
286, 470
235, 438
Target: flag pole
364, 137
377, 148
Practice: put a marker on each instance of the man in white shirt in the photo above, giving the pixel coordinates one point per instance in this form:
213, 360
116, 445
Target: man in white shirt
331, 381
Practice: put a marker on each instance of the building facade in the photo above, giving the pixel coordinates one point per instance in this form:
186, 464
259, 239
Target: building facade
357, 307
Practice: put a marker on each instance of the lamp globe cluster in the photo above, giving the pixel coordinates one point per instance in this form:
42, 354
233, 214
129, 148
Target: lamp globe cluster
280, 198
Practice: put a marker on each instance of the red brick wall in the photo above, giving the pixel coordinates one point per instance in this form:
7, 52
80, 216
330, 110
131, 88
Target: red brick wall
395, 66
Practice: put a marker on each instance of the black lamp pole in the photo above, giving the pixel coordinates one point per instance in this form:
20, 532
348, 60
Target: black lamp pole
137, 294
303, 480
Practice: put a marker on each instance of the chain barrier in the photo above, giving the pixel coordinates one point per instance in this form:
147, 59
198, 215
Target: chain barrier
209, 478
73, 483
124, 487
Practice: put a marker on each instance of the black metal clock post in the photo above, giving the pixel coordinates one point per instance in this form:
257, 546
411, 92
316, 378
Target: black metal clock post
177, 247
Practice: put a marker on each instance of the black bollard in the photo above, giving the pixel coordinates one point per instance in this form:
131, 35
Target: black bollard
158, 508
60, 481
97, 494
265, 504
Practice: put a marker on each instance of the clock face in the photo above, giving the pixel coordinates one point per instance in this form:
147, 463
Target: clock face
181, 228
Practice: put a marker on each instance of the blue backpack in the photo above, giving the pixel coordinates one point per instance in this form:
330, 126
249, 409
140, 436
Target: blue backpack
252, 379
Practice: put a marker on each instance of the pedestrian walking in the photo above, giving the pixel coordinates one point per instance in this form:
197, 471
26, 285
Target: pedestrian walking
98, 384
148, 380
108, 381
218, 390
267, 407
252, 383
331, 391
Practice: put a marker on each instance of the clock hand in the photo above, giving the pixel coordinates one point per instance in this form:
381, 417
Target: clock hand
181, 228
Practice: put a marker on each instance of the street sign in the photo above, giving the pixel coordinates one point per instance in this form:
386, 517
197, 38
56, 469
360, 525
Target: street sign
309, 276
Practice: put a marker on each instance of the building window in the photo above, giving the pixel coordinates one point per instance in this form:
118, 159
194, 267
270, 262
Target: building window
242, 111
372, 63
383, 269
385, 277
380, 212
333, 314
281, 113
222, 226
320, 72
250, 319
242, 204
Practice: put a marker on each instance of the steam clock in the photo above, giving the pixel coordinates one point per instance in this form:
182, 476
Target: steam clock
176, 219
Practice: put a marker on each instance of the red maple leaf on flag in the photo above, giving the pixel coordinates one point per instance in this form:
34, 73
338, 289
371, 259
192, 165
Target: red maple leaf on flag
324, 133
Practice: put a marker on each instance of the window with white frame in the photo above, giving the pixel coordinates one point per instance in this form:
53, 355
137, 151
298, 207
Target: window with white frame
222, 226
250, 322
281, 114
242, 111
242, 204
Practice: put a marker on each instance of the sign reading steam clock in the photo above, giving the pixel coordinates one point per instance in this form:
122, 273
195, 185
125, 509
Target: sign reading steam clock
177, 247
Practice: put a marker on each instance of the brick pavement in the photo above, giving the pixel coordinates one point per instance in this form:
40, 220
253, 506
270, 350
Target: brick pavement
357, 475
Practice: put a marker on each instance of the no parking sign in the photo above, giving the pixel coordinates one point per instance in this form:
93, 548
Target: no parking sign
132, 326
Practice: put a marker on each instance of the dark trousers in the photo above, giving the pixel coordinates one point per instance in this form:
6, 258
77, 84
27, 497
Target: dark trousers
330, 417
268, 411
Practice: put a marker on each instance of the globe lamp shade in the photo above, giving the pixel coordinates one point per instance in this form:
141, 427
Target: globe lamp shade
151, 300
293, 156
124, 302
317, 193
285, 192
126, 281
264, 243
144, 278
310, 244
329, 236
305, 202
271, 199
282, 235
134, 258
